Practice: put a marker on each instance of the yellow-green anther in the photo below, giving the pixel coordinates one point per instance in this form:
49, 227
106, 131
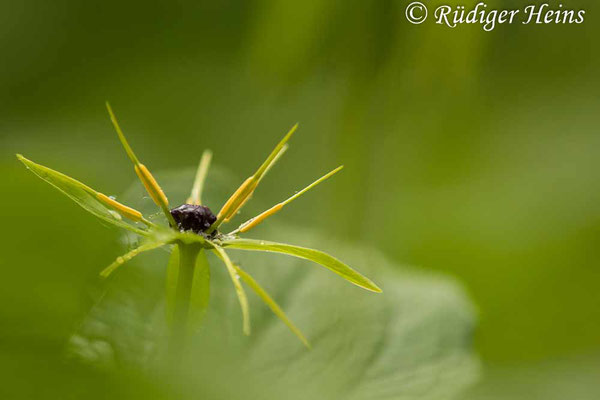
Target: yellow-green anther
244, 192
122, 209
246, 226
245, 200
236, 199
155, 191
152, 187
142, 172
198, 187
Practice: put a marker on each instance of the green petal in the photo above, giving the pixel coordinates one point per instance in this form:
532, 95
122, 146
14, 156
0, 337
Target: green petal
316, 256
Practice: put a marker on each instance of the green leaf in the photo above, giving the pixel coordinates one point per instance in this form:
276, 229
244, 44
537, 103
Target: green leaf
246, 277
316, 256
80, 194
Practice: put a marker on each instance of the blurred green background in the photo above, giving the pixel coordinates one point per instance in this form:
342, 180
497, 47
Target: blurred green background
472, 153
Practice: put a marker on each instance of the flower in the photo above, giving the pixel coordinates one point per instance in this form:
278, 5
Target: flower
194, 226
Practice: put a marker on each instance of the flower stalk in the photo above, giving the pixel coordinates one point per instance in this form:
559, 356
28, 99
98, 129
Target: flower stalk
188, 253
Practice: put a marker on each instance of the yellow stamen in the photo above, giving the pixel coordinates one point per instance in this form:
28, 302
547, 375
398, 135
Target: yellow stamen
237, 198
260, 218
244, 192
249, 196
152, 187
246, 226
122, 209
234, 212
142, 172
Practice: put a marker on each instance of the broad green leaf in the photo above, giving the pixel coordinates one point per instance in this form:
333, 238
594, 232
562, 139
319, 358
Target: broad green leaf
79, 193
246, 277
316, 256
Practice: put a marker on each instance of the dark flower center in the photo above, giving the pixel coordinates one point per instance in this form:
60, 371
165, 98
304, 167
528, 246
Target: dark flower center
193, 218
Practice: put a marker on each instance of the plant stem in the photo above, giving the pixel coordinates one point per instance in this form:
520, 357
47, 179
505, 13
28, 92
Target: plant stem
187, 262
